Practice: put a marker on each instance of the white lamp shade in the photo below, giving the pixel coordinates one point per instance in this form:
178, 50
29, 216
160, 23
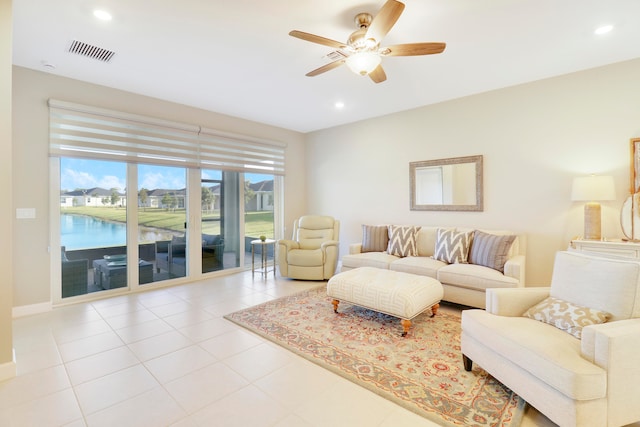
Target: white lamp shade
593, 188
363, 62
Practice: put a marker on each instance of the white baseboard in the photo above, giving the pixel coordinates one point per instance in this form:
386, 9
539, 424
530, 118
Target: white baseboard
28, 310
8, 370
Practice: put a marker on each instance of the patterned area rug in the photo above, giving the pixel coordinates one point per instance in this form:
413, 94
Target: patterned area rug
423, 372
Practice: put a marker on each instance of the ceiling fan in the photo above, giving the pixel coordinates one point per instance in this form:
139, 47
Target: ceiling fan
362, 52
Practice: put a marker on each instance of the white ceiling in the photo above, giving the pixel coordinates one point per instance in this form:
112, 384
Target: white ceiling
235, 56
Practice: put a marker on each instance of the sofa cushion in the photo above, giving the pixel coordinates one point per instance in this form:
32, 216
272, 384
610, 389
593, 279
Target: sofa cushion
546, 352
375, 238
490, 250
426, 241
305, 257
211, 239
422, 266
566, 316
368, 259
475, 277
402, 240
452, 246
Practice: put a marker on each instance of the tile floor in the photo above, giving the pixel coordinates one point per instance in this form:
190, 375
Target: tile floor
166, 357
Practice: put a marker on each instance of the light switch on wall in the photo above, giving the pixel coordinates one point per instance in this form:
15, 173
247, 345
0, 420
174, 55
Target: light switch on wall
25, 213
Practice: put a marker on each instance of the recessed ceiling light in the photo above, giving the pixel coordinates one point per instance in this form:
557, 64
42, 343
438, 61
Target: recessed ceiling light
339, 105
603, 30
102, 15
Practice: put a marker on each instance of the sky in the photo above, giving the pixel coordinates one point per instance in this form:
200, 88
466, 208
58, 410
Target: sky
85, 173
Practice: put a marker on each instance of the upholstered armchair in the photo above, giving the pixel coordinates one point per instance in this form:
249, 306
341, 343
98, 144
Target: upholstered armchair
212, 252
312, 253
171, 256
75, 275
571, 350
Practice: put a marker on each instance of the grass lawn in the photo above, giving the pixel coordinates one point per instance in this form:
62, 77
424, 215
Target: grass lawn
256, 223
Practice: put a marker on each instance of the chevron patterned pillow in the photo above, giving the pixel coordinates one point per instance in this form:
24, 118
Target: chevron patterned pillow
453, 246
402, 240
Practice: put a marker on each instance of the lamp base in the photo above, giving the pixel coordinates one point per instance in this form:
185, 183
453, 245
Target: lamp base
592, 221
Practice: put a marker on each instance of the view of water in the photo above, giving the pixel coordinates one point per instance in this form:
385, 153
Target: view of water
82, 232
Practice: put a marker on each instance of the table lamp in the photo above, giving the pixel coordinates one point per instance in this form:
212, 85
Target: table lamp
592, 189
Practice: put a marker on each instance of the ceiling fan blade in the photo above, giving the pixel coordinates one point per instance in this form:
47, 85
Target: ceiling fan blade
384, 20
413, 49
378, 75
328, 67
317, 39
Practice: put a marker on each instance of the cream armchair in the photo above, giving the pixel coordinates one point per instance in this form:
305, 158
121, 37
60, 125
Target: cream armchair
593, 380
312, 253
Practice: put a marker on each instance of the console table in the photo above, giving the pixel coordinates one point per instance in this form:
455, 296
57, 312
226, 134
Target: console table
615, 247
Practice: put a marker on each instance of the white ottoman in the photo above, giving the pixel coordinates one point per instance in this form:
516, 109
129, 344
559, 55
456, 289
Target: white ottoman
395, 293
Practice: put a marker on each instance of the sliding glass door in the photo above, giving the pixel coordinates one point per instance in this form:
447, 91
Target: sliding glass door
162, 223
259, 202
93, 226
220, 228
95, 221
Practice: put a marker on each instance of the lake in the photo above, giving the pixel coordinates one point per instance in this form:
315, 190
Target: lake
82, 232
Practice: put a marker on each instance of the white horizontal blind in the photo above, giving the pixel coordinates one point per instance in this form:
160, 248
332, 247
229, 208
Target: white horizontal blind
82, 131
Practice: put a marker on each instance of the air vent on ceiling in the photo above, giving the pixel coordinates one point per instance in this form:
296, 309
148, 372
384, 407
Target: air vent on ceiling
90, 51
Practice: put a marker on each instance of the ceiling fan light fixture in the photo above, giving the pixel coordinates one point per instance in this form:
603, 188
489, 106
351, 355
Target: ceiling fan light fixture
362, 63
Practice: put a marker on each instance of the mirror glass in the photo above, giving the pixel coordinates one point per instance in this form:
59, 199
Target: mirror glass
447, 184
629, 215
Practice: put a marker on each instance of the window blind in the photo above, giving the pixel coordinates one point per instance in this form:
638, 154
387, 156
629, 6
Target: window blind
81, 131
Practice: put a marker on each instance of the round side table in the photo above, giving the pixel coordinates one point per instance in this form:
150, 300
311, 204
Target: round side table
264, 260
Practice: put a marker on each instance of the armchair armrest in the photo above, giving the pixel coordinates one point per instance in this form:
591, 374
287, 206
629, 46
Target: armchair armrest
330, 249
615, 347
355, 248
513, 302
328, 244
283, 247
514, 267
288, 244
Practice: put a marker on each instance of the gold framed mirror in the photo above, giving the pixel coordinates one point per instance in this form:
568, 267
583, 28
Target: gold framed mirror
453, 184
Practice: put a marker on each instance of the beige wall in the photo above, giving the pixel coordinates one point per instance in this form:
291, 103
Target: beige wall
31, 90
534, 138
7, 368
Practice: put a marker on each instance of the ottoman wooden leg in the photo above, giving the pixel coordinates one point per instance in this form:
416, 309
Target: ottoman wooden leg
434, 309
335, 303
406, 324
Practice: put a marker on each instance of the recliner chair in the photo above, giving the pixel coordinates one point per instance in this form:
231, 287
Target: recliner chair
312, 253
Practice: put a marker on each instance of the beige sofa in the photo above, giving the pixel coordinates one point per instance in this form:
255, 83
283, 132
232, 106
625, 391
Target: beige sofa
555, 353
463, 283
